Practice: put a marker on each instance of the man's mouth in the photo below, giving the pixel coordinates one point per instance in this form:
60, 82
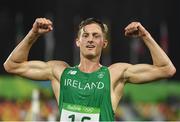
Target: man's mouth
90, 46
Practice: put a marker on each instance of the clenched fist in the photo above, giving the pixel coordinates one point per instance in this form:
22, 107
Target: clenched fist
135, 29
42, 26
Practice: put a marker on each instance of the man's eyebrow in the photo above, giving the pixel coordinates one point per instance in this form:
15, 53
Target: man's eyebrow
85, 33
95, 33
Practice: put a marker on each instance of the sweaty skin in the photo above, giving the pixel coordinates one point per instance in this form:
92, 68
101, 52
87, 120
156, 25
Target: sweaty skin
91, 42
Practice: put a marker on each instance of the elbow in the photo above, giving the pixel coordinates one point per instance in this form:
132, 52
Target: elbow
171, 70
8, 67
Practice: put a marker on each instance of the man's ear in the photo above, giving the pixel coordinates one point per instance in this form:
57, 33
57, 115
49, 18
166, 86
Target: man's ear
105, 43
77, 42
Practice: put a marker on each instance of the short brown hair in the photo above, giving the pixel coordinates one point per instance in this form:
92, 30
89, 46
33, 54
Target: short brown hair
88, 21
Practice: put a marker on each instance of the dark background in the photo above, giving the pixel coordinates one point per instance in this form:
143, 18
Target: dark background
67, 14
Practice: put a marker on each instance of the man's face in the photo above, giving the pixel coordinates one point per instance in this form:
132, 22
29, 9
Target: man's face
91, 41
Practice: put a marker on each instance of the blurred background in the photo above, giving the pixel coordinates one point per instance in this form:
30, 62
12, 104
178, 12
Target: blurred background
22, 99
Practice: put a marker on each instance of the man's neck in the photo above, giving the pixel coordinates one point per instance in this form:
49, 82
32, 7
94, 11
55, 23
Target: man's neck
88, 66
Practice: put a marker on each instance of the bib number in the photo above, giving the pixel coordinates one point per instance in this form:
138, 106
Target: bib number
78, 113
72, 117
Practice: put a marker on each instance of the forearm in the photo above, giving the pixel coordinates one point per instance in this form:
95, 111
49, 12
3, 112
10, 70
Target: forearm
159, 57
21, 52
162, 66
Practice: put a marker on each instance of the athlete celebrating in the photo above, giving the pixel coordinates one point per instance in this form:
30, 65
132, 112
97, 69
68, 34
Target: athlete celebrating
89, 91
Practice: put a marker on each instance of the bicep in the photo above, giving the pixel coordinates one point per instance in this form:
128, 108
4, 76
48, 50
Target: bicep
142, 73
36, 70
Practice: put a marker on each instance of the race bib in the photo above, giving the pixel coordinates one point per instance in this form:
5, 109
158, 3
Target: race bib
78, 113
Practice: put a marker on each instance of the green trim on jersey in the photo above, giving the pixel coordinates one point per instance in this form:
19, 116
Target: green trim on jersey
91, 90
80, 108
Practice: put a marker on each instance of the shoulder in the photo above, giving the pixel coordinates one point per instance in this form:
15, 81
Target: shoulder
57, 67
117, 71
56, 62
119, 66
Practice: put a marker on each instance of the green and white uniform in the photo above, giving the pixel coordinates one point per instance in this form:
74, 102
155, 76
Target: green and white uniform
85, 97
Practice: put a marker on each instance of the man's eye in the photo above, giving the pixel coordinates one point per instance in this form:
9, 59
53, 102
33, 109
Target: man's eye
85, 35
97, 36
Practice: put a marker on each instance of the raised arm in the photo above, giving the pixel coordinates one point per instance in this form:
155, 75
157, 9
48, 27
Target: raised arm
17, 62
162, 66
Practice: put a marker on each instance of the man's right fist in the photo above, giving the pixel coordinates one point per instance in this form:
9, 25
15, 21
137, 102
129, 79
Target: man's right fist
42, 26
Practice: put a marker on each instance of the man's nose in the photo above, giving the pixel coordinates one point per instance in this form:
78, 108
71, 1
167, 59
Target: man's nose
90, 39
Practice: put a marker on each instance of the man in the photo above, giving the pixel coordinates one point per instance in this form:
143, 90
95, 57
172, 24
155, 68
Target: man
89, 91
